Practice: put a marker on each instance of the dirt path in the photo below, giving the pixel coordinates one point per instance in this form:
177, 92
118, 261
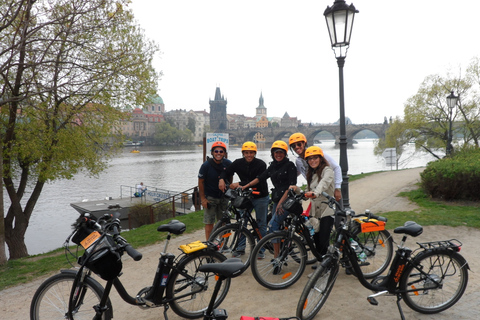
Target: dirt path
246, 297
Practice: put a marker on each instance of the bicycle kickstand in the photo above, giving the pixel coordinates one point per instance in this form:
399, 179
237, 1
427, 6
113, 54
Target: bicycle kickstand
399, 299
166, 306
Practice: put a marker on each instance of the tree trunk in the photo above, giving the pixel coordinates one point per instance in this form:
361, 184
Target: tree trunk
3, 256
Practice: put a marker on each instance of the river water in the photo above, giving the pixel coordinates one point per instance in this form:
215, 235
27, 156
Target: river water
166, 168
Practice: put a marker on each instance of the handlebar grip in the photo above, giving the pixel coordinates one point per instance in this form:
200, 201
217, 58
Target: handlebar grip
137, 256
379, 218
256, 192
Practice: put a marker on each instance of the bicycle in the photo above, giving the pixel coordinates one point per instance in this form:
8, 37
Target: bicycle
178, 283
430, 279
283, 270
238, 237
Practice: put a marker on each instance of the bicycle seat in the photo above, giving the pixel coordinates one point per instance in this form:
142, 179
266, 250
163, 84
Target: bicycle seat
174, 226
411, 228
229, 268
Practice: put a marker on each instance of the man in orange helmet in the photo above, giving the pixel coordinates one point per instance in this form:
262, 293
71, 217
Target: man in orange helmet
248, 168
211, 196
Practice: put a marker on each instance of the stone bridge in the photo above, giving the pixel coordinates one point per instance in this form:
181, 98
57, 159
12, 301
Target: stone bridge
271, 134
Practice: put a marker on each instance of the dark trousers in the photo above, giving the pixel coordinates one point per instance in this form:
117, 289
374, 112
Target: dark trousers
322, 237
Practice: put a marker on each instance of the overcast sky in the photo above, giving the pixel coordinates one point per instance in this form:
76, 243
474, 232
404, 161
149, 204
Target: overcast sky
281, 49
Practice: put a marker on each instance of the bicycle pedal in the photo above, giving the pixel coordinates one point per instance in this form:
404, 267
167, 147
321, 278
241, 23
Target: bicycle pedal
372, 301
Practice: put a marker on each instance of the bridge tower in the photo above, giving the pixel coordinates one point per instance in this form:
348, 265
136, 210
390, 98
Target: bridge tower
218, 113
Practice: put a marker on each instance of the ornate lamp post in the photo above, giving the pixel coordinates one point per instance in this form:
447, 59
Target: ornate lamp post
339, 19
451, 102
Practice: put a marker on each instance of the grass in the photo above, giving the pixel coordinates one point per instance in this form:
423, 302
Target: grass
431, 212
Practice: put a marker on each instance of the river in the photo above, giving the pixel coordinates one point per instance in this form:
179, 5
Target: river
167, 168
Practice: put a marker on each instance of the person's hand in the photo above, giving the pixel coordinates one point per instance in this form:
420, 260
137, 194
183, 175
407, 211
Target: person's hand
221, 185
310, 194
279, 210
234, 185
337, 194
204, 202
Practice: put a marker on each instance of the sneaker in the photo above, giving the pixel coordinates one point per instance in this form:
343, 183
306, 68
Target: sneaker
238, 253
261, 255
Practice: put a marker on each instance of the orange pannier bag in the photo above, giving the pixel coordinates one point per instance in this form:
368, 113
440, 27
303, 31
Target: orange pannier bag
371, 225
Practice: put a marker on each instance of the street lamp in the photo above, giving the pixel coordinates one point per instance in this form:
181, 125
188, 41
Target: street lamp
339, 19
451, 102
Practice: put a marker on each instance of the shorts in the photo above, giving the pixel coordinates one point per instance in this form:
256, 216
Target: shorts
215, 212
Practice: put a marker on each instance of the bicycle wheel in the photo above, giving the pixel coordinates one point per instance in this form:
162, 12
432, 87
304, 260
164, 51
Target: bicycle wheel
51, 299
378, 246
436, 280
180, 287
234, 241
316, 291
283, 270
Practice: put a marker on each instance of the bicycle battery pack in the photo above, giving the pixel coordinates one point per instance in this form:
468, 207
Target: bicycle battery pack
193, 246
371, 225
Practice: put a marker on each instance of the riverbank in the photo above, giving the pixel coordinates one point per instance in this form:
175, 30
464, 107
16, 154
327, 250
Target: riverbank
377, 192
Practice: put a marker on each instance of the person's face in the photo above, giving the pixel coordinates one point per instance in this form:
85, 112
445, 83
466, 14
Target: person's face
313, 161
279, 155
249, 155
218, 153
298, 147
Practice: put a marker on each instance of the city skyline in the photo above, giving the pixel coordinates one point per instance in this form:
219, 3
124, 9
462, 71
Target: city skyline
282, 49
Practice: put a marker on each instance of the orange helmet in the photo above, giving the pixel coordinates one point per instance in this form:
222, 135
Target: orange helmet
313, 151
297, 137
249, 146
279, 144
219, 144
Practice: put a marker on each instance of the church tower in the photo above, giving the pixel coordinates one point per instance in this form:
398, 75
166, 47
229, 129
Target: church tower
218, 112
261, 111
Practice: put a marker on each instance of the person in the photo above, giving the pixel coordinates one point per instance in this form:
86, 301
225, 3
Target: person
211, 197
283, 174
248, 168
298, 145
140, 190
320, 178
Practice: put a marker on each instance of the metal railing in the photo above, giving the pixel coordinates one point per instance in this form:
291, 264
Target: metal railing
170, 204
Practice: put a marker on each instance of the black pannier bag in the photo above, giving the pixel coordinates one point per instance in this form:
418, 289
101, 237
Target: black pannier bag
102, 258
242, 203
293, 206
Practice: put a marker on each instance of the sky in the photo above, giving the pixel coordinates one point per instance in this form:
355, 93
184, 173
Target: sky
281, 49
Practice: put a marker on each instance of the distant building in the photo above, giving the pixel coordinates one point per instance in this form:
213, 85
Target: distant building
288, 121
141, 125
218, 112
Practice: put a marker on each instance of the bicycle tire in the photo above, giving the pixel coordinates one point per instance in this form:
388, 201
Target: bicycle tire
446, 266
316, 291
284, 270
378, 246
229, 238
194, 305
51, 298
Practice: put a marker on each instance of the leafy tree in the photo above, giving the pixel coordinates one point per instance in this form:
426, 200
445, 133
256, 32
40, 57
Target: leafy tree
67, 67
168, 134
191, 124
426, 114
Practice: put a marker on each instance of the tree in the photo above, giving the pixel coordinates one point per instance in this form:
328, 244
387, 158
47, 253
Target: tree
191, 124
396, 137
168, 134
426, 114
67, 67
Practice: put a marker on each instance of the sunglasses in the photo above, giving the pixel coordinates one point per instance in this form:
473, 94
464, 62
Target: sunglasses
298, 144
218, 151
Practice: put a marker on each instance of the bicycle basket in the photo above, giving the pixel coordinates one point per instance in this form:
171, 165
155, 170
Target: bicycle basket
102, 258
242, 203
231, 194
293, 206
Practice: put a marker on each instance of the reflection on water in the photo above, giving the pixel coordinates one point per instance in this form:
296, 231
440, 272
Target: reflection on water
169, 168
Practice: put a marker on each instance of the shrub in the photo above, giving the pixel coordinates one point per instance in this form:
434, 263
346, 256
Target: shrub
455, 178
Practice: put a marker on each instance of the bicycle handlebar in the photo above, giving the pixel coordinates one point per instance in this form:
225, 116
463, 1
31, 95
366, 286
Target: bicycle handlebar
114, 226
342, 212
